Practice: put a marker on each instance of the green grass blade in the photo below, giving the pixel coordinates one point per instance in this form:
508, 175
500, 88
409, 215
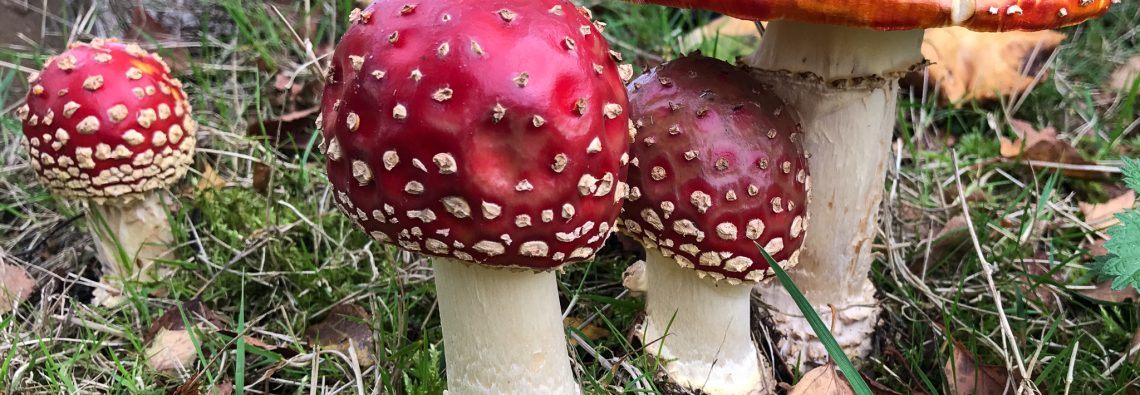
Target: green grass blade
239, 360
825, 337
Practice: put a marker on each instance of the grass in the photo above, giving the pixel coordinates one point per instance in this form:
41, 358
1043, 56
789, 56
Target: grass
268, 250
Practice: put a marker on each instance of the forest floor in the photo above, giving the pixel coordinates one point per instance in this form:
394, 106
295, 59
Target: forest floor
261, 244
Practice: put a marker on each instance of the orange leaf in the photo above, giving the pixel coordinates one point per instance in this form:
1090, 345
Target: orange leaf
1043, 145
969, 65
592, 332
1102, 216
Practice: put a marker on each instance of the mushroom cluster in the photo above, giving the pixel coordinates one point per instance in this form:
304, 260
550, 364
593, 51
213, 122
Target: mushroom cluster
838, 62
493, 136
105, 122
717, 171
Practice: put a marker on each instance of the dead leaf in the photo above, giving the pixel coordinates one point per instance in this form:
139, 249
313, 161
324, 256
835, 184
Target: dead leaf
1043, 145
949, 243
1125, 77
15, 287
1103, 215
1096, 248
345, 326
1103, 292
968, 65
591, 331
210, 180
170, 344
823, 380
968, 378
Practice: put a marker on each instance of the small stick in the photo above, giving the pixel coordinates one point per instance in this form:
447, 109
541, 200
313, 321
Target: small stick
988, 271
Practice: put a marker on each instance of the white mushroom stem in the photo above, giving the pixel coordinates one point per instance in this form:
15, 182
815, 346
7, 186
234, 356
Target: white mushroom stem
844, 83
502, 331
131, 238
700, 330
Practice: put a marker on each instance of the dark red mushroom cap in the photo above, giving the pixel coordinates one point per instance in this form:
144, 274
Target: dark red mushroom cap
979, 15
717, 167
489, 131
106, 120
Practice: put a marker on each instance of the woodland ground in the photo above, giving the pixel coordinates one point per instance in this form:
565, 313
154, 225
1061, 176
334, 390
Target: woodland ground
261, 244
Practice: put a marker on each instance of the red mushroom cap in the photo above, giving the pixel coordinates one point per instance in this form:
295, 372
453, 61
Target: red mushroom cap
488, 131
106, 120
717, 167
979, 15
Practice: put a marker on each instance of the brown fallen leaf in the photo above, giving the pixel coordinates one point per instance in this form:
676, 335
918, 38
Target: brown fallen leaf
1103, 292
823, 380
170, 346
1125, 77
1103, 215
346, 326
950, 242
968, 378
1043, 145
210, 180
968, 65
591, 331
15, 287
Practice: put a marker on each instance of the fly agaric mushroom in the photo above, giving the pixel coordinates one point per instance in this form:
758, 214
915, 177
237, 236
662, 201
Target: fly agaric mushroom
718, 168
490, 135
106, 122
838, 63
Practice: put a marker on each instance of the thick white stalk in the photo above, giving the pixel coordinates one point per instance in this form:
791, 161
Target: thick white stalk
131, 237
701, 331
502, 331
844, 83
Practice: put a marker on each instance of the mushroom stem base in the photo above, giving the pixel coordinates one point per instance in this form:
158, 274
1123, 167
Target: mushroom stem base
852, 325
131, 237
844, 82
700, 330
502, 331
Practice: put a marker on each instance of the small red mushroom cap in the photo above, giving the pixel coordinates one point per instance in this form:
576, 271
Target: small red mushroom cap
717, 167
106, 120
486, 131
978, 15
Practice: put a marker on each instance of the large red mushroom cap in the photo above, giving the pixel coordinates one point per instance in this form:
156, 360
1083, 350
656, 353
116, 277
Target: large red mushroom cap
979, 15
717, 167
105, 120
488, 131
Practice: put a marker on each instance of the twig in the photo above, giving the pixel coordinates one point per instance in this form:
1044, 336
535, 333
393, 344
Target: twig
1072, 362
1116, 365
988, 271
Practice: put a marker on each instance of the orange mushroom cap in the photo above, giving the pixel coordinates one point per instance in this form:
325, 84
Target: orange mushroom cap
978, 15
